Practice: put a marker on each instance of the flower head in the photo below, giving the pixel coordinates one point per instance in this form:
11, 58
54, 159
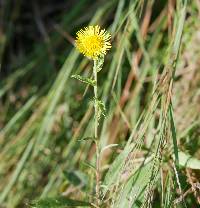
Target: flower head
93, 42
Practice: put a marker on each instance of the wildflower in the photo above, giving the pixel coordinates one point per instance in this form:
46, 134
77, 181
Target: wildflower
93, 41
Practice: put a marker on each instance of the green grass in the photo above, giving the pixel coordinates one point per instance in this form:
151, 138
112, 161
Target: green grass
150, 141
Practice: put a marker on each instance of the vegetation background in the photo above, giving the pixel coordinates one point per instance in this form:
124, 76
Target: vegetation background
150, 84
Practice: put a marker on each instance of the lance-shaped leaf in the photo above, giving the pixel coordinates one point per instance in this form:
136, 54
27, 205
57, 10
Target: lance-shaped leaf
101, 108
84, 79
100, 62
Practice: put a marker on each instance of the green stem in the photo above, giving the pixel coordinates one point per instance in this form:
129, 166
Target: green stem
96, 135
95, 101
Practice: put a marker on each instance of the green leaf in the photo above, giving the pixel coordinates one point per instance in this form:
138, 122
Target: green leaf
101, 108
76, 178
99, 63
84, 79
115, 169
72, 177
58, 202
188, 161
133, 193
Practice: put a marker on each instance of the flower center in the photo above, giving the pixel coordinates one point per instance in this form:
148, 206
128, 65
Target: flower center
92, 43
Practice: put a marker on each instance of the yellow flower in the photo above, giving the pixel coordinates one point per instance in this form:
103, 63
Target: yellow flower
93, 41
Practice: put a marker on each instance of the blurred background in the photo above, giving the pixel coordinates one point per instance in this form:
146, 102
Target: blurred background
44, 113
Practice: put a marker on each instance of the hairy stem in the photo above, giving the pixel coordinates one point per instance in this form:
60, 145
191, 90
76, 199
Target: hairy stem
96, 135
